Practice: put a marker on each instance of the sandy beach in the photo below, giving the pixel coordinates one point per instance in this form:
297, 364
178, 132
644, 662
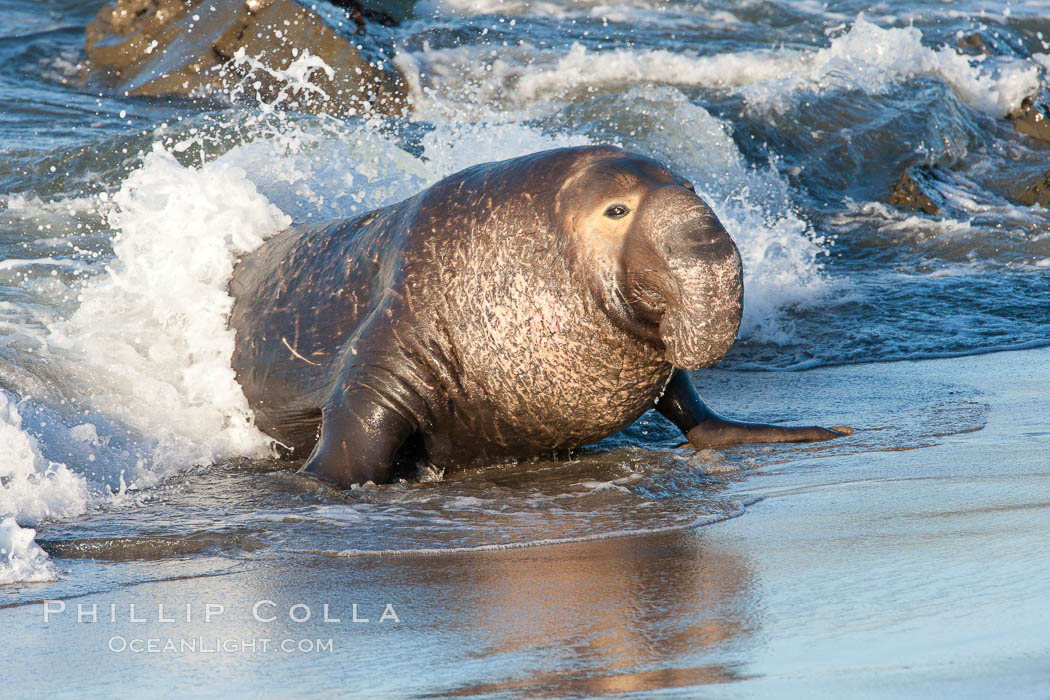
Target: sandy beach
905, 561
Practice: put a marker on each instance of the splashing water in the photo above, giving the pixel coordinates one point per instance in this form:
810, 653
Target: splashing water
119, 405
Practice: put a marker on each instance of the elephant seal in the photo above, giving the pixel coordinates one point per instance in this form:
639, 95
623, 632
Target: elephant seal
512, 309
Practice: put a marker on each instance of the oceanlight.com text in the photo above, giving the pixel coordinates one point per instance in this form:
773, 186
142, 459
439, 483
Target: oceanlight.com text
217, 645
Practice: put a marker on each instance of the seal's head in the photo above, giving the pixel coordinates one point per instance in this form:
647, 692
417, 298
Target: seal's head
664, 268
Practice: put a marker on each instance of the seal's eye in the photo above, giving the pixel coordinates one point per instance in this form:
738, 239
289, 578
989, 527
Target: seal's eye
688, 185
617, 211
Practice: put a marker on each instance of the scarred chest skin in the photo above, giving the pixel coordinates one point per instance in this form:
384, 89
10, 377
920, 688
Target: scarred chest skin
527, 360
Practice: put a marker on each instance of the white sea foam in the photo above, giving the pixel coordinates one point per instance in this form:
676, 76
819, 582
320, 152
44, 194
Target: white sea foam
145, 354
32, 206
32, 489
22, 559
294, 80
867, 57
148, 345
457, 146
337, 172
541, 8
15, 263
966, 231
649, 13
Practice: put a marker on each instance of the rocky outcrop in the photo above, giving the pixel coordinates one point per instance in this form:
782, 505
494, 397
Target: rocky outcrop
915, 189
1036, 192
1033, 116
191, 47
924, 188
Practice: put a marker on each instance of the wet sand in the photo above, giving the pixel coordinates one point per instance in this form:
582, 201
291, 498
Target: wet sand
907, 560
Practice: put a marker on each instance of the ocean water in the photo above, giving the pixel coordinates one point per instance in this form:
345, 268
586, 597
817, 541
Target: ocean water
126, 444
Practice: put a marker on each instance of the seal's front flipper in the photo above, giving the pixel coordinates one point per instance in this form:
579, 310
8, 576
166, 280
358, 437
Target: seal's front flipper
704, 428
361, 431
722, 432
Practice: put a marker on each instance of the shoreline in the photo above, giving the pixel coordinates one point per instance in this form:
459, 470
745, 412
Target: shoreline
902, 563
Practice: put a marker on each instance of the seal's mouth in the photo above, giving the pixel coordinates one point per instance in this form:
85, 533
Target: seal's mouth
692, 343
700, 325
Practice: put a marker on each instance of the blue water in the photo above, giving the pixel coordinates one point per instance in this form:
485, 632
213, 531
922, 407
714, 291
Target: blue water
793, 120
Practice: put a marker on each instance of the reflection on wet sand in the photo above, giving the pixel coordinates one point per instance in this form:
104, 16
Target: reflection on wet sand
568, 684
627, 615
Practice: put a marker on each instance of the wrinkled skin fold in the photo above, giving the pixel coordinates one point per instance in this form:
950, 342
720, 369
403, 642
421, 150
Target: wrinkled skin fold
512, 309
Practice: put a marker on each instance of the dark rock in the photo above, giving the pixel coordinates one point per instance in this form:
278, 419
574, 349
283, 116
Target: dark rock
916, 189
1037, 192
398, 10
992, 43
1033, 116
186, 47
386, 12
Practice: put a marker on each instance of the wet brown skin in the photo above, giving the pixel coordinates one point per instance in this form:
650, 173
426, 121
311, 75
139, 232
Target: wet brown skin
512, 309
